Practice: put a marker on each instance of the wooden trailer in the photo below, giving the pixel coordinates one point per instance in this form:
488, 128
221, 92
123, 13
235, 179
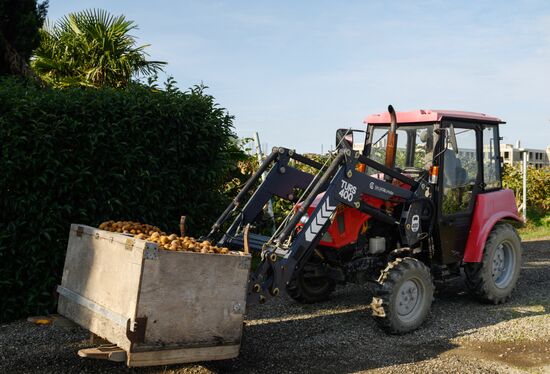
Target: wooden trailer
155, 306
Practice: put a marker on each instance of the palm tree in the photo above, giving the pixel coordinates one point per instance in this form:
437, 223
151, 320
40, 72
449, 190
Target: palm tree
91, 48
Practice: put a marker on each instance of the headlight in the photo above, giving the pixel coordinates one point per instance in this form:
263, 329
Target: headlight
304, 218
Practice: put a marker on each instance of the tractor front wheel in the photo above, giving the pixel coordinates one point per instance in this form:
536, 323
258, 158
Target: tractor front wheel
403, 296
494, 278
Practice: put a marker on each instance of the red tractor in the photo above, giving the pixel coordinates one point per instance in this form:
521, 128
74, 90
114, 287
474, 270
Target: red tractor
419, 200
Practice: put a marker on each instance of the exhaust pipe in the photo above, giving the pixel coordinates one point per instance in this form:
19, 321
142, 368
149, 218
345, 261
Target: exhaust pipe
391, 147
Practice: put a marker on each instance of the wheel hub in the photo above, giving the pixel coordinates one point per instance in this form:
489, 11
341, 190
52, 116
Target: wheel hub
407, 298
502, 265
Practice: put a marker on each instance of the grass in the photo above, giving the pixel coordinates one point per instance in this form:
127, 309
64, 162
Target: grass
537, 227
533, 233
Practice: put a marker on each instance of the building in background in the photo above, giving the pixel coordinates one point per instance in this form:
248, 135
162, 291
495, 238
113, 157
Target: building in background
537, 158
467, 152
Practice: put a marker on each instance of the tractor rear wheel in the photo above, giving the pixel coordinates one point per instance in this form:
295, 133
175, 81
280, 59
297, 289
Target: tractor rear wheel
308, 286
403, 296
494, 278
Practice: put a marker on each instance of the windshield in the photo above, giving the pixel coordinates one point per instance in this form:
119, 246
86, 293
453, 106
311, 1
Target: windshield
414, 145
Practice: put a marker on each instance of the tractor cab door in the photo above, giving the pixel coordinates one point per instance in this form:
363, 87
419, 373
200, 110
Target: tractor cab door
459, 183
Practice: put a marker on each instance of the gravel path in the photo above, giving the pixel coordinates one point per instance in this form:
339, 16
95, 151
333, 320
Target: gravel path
338, 336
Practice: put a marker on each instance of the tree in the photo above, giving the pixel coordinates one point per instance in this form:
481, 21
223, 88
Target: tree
91, 48
20, 21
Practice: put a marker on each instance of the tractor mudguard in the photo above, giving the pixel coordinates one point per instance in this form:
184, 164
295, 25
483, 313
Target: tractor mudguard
490, 208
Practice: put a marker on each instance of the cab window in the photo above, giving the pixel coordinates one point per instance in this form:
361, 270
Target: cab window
460, 170
491, 158
414, 146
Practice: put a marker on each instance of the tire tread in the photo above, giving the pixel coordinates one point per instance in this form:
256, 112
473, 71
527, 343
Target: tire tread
474, 271
389, 277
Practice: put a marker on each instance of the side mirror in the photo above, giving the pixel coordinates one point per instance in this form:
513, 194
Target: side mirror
351, 139
344, 138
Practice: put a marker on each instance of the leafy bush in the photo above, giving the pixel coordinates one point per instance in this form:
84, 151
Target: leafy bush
538, 188
89, 155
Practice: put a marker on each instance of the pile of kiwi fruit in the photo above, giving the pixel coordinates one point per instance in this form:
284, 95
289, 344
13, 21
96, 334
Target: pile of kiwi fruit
170, 242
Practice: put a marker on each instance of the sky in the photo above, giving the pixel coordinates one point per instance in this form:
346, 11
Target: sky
295, 71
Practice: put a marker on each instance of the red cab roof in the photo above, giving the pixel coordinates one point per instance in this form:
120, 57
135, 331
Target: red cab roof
429, 115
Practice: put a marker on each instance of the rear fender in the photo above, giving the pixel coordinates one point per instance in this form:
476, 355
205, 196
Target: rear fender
490, 208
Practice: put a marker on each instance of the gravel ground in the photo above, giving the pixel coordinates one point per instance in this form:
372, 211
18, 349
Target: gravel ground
338, 336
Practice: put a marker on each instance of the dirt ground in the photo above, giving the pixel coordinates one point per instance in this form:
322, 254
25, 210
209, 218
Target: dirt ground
338, 336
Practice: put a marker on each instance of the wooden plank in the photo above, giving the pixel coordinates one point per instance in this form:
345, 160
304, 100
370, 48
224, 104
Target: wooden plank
193, 299
183, 355
93, 306
104, 352
105, 268
94, 322
99, 267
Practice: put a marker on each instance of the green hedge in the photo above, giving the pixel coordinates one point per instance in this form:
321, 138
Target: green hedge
89, 155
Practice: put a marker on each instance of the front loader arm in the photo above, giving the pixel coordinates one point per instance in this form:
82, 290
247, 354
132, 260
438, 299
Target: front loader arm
341, 184
281, 180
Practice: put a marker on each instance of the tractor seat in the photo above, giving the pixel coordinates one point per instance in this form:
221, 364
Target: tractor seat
454, 173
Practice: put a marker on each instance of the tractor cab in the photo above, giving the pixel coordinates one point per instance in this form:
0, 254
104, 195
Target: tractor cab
459, 150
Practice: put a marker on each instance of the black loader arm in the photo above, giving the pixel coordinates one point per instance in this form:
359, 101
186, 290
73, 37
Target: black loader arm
281, 180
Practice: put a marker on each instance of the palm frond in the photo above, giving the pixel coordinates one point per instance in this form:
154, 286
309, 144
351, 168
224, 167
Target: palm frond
93, 48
